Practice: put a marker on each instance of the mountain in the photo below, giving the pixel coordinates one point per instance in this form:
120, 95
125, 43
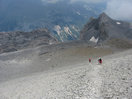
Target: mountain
63, 19
105, 28
13, 41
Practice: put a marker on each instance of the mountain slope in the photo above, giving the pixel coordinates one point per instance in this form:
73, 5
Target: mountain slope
111, 80
104, 28
12, 41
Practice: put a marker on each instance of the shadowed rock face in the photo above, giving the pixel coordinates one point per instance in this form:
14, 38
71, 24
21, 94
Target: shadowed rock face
105, 28
12, 41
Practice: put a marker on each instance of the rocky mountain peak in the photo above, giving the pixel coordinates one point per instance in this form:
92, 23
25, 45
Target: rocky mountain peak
104, 17
104, 28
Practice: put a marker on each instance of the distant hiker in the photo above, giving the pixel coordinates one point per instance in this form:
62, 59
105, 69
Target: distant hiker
100, 61
89, 60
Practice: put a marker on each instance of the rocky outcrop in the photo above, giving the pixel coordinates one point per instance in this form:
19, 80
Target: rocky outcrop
12, 41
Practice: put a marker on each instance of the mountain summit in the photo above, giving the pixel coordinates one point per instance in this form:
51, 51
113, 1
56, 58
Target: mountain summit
104, 28
104, 18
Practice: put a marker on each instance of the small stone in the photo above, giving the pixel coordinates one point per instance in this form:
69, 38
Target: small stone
123, 78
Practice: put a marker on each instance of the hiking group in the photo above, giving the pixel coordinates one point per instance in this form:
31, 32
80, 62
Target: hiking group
99, 60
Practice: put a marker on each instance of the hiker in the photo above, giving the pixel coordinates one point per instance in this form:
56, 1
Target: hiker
100, 61
89, 60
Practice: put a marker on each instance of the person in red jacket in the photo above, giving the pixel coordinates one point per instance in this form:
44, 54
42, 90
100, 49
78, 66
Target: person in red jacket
89, 60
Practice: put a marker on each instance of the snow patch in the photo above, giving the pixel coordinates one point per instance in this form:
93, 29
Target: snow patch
50, 43
48, 59
58, 29
118, 23
78, 13
67, 30
93, 39
74, 28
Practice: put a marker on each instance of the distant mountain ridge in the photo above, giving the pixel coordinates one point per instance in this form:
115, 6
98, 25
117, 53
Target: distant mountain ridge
104, 28
28, 15
99, 30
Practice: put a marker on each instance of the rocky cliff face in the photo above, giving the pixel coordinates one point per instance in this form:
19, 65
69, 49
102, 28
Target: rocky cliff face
66, 33
104, 28
12, 41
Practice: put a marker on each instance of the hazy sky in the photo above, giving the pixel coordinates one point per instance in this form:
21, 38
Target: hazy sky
88, 1
72, 1
117, 9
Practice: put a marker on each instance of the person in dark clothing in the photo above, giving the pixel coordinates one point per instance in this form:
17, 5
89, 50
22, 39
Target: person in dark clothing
100, 61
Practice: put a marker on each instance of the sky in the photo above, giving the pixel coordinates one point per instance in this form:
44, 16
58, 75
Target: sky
73, 1
117, 9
